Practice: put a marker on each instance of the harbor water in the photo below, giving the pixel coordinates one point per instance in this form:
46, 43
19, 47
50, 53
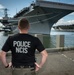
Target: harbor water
49, 40
68, 38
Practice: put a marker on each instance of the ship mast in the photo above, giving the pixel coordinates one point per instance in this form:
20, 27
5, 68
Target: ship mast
5, 14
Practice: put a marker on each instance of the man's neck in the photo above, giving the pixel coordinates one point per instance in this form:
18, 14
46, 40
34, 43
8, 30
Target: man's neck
24, 32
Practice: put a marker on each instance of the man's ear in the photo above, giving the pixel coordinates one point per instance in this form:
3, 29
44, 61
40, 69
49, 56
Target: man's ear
18, 27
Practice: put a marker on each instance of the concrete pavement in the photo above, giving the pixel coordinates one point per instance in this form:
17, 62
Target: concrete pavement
58, 63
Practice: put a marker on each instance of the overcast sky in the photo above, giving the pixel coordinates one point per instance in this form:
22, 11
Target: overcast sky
16, 5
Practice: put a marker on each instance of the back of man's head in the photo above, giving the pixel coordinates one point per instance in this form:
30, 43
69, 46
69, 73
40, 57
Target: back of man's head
23, 24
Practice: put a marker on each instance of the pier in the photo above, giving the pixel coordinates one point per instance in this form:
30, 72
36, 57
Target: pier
58, 63
60, 60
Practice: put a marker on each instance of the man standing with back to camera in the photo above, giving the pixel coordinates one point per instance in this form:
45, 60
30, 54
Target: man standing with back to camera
23, 46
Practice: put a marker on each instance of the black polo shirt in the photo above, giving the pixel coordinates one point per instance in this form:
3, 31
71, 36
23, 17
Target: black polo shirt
23, 48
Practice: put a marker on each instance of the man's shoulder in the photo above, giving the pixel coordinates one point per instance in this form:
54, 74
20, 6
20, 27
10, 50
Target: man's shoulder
32, 36
13, 36
28, 36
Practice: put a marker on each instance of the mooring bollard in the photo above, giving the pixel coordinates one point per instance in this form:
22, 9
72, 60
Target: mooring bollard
59, 41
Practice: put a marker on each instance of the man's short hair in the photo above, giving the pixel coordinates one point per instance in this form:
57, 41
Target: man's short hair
23, 23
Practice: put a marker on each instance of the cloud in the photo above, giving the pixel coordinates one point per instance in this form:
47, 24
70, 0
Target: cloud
0, 17
63, 22
71, 22
1, 6
72, 14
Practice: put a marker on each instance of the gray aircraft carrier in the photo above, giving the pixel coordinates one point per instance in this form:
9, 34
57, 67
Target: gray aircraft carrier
41, 15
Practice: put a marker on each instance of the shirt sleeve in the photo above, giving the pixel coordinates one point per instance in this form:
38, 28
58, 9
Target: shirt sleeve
6, 47
39, 45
